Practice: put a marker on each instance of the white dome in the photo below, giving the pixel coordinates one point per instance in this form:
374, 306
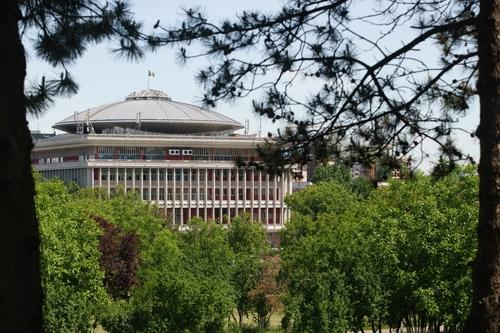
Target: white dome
152, 111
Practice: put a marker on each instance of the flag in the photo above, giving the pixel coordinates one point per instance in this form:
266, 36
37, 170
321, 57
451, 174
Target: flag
150, 73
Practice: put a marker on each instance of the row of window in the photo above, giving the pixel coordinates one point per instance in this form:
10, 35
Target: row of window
174, 151
178, 175
159, 194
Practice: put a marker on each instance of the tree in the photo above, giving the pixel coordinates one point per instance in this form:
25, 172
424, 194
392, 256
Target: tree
336, 172
185, 284
60, 30
72, 280
265, 297
401, 257
389, 99
119, 258
248, 241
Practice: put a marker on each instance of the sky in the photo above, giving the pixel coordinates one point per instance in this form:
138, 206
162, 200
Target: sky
104, 78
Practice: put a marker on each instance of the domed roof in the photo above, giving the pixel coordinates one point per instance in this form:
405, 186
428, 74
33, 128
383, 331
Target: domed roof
151, 111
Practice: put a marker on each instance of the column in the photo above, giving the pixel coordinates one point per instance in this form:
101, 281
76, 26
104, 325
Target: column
206, 193
198, 192
229, 196
173, 195
237, 191
158, 185
252, 190
100, 177
213, 194
190, 192
182, 196
109, 182
125, 180
133, 179
149, 184
245, 190
142, 183
260, 196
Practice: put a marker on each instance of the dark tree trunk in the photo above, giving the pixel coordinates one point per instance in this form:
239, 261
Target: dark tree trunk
485, 312
20, 288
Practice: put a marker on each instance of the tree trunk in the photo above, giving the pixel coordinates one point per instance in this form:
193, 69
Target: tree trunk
20, 288
485, 311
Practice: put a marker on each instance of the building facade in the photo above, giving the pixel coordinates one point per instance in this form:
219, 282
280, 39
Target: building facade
181, 157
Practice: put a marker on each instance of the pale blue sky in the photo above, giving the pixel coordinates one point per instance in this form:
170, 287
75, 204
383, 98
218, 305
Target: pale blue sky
104, 78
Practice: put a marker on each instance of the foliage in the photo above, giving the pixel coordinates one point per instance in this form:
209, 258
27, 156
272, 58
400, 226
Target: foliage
248, 241
119, 258
266, 296
332, 172
341, 174
403, 256
374, 104
61, 32
72, 280
184, 284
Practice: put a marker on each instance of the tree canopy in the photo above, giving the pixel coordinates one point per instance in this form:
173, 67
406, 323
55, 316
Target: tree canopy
401, 257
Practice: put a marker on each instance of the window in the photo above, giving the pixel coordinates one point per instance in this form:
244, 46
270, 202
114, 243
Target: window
173, 152
153, 193
153, 174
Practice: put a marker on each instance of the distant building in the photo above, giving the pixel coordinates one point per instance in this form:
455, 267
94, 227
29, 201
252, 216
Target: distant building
174, 154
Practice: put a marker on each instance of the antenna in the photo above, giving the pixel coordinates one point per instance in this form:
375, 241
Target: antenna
90, 128
138, 121
150, 75
79, 125
247, 126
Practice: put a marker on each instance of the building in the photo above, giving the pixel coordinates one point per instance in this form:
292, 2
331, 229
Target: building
177, 155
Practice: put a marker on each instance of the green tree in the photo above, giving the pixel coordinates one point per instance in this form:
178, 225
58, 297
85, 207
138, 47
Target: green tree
389, 97
184, 284
402, 256
317, 292
248, 241
72, 280
60, 32
335, 172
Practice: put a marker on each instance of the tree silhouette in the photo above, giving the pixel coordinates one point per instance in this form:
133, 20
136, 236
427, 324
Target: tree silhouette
389, 99
60, 32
